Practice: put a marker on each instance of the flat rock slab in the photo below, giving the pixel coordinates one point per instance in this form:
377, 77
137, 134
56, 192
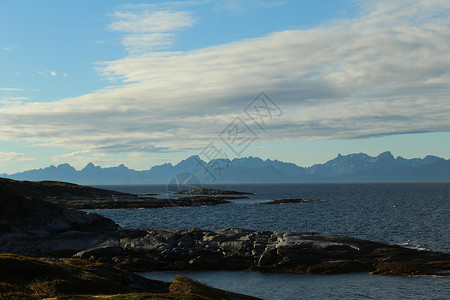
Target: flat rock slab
241, 249
204, 191
146, 202
294, 200
231, 249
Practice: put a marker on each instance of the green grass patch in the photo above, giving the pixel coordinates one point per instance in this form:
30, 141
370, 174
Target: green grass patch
24, 277
187, 288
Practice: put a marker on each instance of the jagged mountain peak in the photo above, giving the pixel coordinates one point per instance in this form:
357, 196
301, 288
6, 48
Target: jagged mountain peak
90, 166
386, 155
350, 167
162, 166
360, 156
430, 158
191, 160
65, 167
249, 159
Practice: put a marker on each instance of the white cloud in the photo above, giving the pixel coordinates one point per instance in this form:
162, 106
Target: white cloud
139, 43
150, 21
11, 48
12, 100
238, 7
264, 148
46, 73
147, 30
11, 90
76, 153
385, 72
13, 156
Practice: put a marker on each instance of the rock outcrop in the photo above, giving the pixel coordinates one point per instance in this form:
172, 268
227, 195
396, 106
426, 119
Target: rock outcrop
293, 200
147, 202
83, 197
54, 190
19, 214
205, 191
232, 249
241, 249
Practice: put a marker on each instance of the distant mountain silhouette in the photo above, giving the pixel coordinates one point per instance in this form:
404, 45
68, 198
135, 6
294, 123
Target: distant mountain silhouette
344, 168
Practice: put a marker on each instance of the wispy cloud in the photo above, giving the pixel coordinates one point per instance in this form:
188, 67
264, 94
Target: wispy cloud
11, 48
11, 90
268, 148
47, 73
146, 30
76, 153
384, 72
13, 156
12, 100
238, 7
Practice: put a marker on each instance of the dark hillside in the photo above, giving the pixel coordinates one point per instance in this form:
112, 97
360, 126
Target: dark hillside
18, 212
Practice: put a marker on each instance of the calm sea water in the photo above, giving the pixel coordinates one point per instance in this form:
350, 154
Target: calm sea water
411, 214
298, 286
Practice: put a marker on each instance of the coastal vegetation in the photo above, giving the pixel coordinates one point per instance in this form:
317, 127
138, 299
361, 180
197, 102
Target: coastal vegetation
23, 277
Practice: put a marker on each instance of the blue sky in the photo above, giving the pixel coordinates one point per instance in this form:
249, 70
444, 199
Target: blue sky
148, 82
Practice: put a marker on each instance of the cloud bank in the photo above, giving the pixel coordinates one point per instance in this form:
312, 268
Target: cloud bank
384, 72
13, 156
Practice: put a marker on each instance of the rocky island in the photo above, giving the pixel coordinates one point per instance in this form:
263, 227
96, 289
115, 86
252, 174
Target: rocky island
33, 227
206, 191
293, 200
84, 197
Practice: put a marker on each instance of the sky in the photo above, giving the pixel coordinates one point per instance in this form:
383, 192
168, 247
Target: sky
149, 82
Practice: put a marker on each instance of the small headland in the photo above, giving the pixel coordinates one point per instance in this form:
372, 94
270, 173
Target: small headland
293, 200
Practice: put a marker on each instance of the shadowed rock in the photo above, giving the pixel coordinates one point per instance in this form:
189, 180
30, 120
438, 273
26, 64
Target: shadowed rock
241, 249
295, 200
204, 191
19, 214
148, 203
83, 197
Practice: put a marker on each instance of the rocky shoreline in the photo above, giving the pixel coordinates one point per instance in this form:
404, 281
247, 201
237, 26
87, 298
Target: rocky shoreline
146, 202
83, 197
38, 228
231, 249
293, 200
205, 191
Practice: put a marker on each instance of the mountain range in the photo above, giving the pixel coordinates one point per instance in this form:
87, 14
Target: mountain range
344, 168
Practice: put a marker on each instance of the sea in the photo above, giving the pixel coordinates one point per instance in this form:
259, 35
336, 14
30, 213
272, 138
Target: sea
415, 215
